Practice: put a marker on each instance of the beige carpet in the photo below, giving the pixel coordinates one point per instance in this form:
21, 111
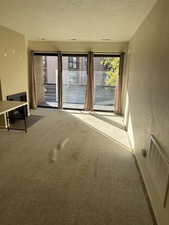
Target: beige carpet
93, 180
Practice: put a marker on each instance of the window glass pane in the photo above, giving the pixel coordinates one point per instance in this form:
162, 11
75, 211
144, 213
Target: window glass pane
74, 82
106, 74
46, 71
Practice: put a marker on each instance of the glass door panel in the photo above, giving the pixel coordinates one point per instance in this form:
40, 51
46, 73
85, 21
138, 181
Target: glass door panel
74, 80
46, 71
106, 75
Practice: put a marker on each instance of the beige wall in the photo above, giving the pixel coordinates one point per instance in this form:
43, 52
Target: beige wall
74, 46
147, 99
13, 62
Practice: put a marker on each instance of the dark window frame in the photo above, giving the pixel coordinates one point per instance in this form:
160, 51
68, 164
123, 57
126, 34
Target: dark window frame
72, 69
107, 55
86, 64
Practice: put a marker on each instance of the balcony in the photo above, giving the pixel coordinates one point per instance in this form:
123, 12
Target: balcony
74, 96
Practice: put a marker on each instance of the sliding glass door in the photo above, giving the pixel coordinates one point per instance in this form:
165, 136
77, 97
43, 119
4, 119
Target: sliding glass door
74, 81
106, 75
46, 72
73, 77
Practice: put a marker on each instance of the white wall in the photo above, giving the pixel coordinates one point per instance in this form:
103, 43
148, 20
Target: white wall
147, 98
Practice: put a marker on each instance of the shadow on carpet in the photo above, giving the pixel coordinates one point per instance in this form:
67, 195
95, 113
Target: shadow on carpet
31, 120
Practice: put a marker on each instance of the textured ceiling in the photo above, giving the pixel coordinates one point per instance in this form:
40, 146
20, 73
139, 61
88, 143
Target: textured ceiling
84, 20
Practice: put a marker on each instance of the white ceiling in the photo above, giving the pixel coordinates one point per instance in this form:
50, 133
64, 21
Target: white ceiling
85, 20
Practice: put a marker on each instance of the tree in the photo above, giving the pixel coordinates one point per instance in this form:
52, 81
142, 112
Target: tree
111, 64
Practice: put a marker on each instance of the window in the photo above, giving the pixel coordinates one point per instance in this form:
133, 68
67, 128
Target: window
106, 75
85, 61
88, 80
73, 62
74, 81
46, 70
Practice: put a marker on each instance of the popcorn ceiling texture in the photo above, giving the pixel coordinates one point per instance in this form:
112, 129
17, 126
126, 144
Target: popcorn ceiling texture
84, 20
93, 181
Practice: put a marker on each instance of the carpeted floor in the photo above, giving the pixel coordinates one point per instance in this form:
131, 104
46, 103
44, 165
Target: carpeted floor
93, 180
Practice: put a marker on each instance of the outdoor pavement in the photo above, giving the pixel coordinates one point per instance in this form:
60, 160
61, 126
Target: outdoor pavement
74, 97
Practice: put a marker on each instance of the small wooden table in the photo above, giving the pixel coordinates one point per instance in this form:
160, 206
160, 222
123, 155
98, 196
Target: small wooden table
7, 106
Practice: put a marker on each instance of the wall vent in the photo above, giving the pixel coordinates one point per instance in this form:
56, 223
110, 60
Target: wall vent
158, 166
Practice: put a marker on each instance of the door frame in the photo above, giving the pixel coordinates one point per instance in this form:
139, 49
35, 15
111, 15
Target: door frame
60, 71
75, 55
34, 53
120, 69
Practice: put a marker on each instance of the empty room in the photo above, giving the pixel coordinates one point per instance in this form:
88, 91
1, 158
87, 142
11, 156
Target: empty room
84, 125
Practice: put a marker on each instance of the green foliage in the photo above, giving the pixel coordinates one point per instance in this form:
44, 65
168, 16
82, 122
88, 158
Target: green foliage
111, 65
